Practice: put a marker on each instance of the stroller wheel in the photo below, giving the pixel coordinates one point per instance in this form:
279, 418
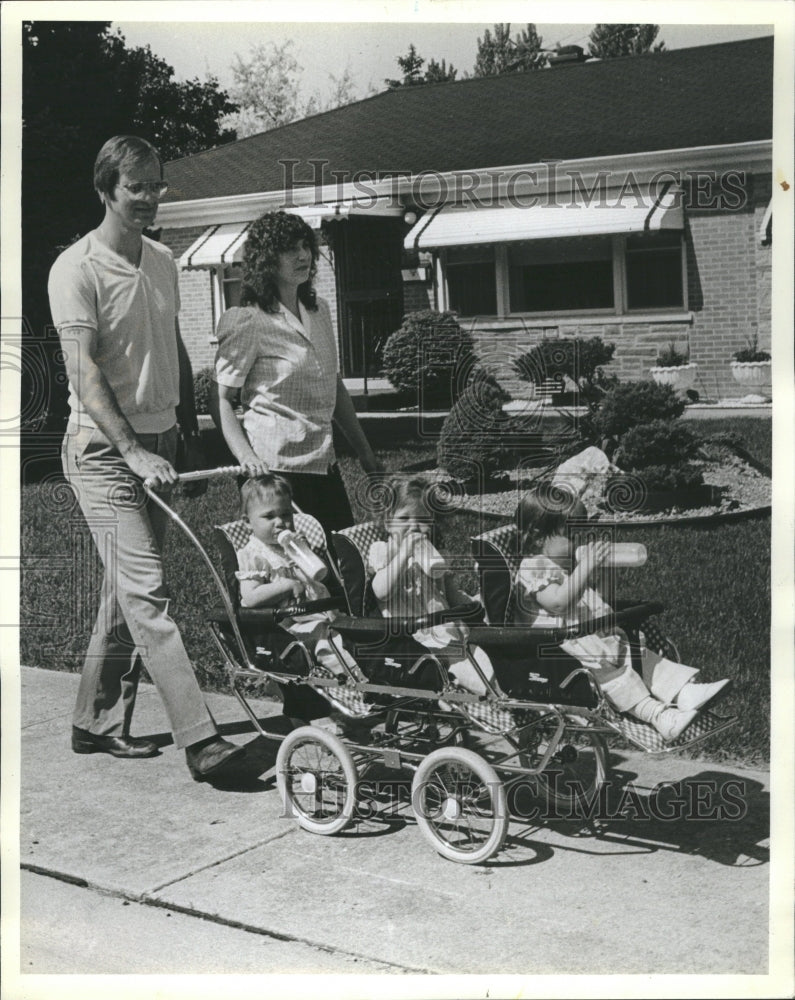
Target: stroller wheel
317, 778
460, 805
576, 771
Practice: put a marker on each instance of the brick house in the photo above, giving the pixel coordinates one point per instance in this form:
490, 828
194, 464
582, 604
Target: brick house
627, 199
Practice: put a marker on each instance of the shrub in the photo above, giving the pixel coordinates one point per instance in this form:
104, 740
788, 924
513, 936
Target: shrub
430, 357
751, 351
202, 384
471, 439
632, 403
660, 442
661, 478
579, 360
671, 357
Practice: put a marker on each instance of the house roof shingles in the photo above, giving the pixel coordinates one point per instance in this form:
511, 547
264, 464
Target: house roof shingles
709, 95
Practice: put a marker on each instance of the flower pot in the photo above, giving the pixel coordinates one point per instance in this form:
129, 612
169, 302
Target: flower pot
753, 373
679, 377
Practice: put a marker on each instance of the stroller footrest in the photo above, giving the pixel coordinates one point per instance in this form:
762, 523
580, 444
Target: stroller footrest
646, 737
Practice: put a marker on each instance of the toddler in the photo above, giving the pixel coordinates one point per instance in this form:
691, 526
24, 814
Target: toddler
550, 593
269, 579
409, 584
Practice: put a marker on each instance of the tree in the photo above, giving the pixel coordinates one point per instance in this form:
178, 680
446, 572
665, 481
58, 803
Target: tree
411, 64
80, 86
439, 73
266, 90
607, 41
342, 91
499, 53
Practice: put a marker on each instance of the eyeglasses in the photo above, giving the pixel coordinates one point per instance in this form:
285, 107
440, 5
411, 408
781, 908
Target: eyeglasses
158, 188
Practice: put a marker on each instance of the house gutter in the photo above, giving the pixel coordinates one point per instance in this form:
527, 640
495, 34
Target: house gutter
429, 189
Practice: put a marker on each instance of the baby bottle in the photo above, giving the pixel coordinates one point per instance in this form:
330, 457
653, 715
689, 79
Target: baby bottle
297, 549
626, 554
427, 558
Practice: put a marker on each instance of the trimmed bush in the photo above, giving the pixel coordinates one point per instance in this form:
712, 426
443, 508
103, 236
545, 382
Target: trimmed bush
430, 358
470, 442
664, 478
631, 403
202, 384
574, 358
660, 442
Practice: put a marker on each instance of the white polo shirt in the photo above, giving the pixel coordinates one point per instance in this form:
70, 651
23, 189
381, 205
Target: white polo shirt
287, 371
133, 310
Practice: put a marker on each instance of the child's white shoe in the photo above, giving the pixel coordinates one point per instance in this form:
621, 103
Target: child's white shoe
697, 696
670, 723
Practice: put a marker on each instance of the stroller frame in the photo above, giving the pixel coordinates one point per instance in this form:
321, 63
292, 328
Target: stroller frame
459, 795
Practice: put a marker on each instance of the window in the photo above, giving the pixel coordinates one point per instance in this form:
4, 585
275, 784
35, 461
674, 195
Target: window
226, 286
654, 271
618, 274
231, 284
561, 275
471, 281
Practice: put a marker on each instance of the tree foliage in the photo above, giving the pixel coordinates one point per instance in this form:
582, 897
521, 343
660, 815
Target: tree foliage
606, 41
411, 65
267, 91
81, 85
498, 53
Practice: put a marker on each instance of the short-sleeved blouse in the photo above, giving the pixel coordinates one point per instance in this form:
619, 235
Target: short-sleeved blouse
537, 572
286, 369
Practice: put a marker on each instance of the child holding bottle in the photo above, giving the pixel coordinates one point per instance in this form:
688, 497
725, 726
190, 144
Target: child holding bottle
552, 589
276, 570
409, 579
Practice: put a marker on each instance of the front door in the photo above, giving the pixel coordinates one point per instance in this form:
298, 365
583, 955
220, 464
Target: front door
369, 289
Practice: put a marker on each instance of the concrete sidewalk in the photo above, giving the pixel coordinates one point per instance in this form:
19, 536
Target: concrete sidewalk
688, 895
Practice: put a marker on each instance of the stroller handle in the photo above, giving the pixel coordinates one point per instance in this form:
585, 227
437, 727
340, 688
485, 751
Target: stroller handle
197, 474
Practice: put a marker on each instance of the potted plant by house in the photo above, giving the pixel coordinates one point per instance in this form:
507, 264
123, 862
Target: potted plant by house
674, 368
751, 367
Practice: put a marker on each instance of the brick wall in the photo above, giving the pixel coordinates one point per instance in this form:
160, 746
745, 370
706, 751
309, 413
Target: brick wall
195, 291
417, 295
726, 273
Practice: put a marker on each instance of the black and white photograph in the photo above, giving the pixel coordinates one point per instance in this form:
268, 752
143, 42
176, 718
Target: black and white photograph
397, 476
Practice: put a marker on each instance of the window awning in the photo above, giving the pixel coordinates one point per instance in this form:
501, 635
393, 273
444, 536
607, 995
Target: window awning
217, 245
766, 227
467, 225
224, 244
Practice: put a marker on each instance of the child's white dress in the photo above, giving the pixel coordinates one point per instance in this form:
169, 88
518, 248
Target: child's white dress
264, 563
418, 594
607, 654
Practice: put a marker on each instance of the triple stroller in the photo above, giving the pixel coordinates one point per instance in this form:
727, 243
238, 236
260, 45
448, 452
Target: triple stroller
543, 721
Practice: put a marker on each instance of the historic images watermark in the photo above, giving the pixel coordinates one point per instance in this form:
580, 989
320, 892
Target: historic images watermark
545, 186
703, 800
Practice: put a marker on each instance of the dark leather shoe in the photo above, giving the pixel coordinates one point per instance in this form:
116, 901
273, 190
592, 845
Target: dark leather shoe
209, 760
117, 746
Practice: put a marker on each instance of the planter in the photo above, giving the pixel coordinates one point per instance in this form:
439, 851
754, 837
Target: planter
680, 377
751, 373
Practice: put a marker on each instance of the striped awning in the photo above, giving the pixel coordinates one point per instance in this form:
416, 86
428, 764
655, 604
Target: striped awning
467, 225
224, 244
217, 246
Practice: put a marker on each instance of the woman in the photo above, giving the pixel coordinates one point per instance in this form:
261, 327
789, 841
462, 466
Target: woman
278, 351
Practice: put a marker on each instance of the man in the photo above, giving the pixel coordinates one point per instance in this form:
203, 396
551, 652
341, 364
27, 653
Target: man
114, 298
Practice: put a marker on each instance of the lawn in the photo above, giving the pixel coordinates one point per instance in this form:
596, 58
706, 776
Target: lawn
714, 581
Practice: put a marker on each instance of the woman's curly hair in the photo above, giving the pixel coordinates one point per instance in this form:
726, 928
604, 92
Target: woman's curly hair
267, 237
